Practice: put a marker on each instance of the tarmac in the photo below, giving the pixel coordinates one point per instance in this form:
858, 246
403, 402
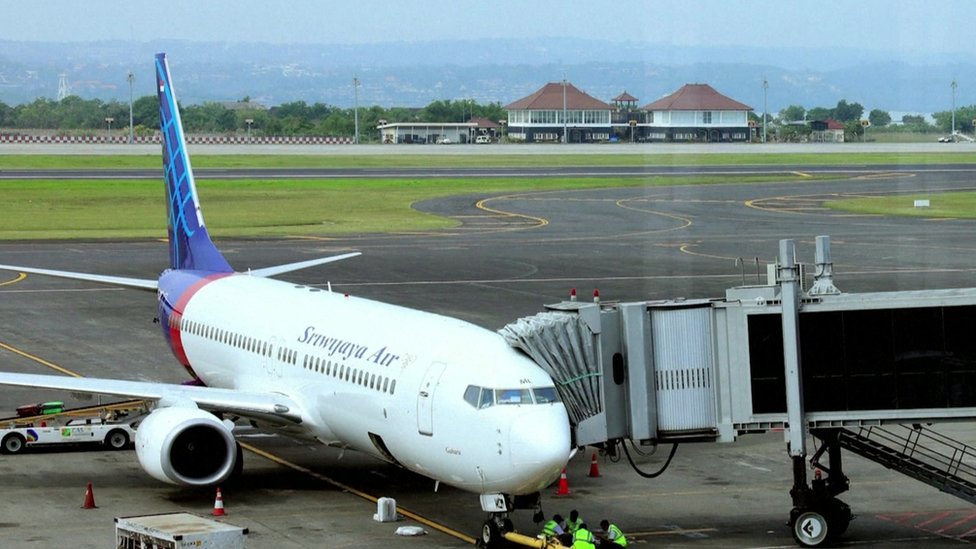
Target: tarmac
509, 256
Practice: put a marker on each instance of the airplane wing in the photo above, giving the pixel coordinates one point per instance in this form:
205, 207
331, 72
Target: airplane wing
137, 283
268, 406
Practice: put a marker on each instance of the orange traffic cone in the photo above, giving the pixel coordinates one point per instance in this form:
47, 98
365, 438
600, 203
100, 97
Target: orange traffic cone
218, 510
594, 467
89, 498
563, 484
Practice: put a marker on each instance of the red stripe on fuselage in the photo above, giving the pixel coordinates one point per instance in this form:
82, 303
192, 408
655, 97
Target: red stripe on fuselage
176, 316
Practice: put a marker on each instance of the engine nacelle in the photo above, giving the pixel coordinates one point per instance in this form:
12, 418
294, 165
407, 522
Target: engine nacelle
189, 446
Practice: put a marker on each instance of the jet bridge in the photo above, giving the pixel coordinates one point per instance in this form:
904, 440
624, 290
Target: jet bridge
851, 368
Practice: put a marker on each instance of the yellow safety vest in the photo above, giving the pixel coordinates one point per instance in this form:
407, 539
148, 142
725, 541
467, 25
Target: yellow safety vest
549, 528
617, 536
571, 526
583, 539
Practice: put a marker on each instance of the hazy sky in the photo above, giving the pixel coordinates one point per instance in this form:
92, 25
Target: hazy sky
896, 25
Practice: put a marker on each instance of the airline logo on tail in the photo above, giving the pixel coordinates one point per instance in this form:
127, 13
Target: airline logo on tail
190, 244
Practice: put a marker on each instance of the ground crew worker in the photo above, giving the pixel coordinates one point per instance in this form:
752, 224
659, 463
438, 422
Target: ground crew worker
614, 539
583, 539
573, 524
553, 528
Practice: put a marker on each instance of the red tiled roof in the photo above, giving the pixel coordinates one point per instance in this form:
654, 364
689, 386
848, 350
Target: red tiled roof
550, 96
485, 123
696, 97
834, 125
625, 97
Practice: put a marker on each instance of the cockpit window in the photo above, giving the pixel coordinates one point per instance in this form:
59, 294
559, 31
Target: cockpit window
513, 396
472, 394
483, 397
545, 395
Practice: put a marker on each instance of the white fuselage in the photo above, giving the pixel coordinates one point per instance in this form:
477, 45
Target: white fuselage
385, 380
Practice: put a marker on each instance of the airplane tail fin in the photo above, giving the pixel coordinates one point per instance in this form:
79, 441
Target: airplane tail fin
190, 247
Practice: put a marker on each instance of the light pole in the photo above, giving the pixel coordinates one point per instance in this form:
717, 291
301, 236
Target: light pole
765, 88
953, 109
132, 138
248, 121
355, 86
565, 135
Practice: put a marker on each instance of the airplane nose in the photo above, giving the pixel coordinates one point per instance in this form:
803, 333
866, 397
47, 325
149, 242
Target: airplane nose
539, 444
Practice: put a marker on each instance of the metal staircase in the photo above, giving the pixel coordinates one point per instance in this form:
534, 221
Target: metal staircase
922, 454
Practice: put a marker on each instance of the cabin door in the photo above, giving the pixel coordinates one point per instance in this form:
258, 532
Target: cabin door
425, 398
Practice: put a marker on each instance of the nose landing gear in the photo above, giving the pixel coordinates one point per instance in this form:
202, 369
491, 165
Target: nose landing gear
499, 508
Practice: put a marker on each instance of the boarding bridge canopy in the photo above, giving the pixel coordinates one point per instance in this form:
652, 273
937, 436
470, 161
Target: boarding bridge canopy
565, 347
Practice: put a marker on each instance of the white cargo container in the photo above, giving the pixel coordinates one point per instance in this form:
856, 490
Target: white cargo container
176, 531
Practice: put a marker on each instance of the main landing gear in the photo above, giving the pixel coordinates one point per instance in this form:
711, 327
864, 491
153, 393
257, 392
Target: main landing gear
818, 517
499, 508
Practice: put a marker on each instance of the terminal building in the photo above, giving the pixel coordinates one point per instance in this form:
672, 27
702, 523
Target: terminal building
559, 112
696, 112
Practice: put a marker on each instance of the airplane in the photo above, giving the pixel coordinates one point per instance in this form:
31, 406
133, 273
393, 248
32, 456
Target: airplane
435, 395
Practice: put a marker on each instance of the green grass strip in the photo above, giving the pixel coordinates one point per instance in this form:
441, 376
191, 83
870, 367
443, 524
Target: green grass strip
957, 205
268, 208
393, 160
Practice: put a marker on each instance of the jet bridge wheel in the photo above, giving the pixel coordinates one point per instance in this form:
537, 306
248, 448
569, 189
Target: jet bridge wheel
824, 524
810, 528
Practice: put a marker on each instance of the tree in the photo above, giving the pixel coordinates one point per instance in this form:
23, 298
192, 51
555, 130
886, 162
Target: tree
820, 113
793, 113
6, 114
145, 111
846, 112
964, 119
913, 120
879, 118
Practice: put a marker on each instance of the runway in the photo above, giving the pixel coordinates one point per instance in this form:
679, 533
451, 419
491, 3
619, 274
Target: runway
511, 255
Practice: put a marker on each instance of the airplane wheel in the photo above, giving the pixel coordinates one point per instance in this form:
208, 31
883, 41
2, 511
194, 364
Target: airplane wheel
13, 443
810, 529
117, 440
490, 534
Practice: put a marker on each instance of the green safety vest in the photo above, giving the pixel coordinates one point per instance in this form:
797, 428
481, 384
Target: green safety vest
549, 528
571, 526
583, 539
617, 536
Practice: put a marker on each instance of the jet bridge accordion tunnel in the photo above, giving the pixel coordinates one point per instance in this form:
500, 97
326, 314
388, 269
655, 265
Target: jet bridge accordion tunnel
709, 370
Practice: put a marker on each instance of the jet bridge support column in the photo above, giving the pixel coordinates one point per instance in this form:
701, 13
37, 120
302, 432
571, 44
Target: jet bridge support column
817, 516
789, 281
808, 532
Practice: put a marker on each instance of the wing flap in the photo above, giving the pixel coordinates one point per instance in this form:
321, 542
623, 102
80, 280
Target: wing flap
243, 403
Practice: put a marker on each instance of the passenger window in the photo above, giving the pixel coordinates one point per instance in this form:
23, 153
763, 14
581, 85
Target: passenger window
472, 394
513, 396
545, 395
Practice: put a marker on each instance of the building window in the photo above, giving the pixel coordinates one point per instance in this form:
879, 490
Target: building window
707, 117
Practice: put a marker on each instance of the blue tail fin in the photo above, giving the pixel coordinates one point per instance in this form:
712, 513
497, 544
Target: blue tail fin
190, 247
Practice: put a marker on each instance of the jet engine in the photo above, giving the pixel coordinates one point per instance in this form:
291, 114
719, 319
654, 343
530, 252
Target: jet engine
188, 446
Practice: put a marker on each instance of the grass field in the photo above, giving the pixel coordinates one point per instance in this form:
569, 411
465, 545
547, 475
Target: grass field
136, 209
